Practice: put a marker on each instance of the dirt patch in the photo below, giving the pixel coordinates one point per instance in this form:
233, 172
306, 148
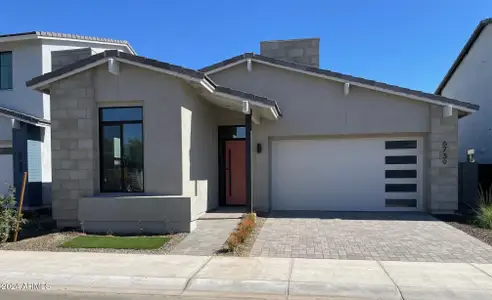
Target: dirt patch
467, 224
53, 241
245, 248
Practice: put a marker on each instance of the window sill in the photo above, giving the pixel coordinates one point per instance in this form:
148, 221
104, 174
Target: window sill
6, 90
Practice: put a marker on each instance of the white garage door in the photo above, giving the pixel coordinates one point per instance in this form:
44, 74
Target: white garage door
369, 174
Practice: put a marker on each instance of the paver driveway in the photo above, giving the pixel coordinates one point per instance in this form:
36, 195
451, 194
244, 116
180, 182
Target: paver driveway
370, 236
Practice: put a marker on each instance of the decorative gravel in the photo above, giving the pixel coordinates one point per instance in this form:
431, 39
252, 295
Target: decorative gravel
52, 242
466, 223
245, 248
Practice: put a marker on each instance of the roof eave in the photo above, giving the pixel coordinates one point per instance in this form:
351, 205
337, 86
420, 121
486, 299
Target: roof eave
41, 83
34, 35
327, 74
466, 48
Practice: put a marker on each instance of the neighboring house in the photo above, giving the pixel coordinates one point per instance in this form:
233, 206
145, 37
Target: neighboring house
470, 79
25, 138
140, 144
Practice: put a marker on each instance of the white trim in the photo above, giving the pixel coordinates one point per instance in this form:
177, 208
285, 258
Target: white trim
227, 66
207, 86
256, 103
157, 69
414, 97
43, 83
104, 60
16, 38
24, 120
114, 66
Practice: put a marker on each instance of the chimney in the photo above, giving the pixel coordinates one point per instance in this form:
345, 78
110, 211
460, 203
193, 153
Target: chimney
301, 51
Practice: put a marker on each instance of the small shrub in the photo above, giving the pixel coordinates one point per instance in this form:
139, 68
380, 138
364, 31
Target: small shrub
241, 233
484, 210
252, 217
8, 215
232, 242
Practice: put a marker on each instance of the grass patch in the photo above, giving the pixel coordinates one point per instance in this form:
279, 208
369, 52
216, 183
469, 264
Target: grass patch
116, 242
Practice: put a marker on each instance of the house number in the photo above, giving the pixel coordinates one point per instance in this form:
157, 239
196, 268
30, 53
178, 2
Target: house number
444, 156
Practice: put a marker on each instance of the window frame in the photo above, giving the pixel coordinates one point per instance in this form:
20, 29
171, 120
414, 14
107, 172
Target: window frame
103, 123
11, 87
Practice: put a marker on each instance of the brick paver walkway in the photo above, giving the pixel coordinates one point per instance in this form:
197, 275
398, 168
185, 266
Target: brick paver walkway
368, 236
208, 237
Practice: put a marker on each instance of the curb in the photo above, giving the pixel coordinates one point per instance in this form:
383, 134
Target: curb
129, 284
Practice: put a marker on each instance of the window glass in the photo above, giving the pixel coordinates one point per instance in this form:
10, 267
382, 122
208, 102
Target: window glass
232, 132
122, 114
5, 70
121, 150
111, 159
133, 157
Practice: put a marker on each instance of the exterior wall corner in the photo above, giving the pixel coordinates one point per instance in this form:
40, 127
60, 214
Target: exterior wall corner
442, 156
75, 128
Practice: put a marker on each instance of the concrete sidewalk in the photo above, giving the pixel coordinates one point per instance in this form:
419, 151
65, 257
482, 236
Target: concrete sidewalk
188, 275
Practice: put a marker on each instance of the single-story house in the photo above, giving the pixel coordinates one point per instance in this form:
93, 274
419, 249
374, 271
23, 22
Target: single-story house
143, 145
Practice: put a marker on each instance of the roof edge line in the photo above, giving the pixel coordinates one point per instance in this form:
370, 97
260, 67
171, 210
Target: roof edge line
258, 58
463, 53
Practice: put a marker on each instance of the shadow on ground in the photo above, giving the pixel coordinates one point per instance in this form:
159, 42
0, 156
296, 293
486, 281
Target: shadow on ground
346, 215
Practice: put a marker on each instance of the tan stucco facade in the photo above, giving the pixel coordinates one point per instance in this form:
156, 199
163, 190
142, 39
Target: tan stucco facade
180, 140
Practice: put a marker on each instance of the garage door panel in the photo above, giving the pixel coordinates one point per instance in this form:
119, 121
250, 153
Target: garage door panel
344, 174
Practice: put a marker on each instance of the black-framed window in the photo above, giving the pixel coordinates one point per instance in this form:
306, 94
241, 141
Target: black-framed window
121, 149
6, 77
232, 132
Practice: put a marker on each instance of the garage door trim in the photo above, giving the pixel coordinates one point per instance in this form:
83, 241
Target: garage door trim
419, 180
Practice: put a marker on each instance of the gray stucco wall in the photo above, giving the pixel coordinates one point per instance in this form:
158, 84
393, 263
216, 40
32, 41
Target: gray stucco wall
135, 214
180, 155
471, 82
316, 108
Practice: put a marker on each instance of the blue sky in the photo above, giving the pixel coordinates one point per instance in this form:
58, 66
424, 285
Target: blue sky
411, 43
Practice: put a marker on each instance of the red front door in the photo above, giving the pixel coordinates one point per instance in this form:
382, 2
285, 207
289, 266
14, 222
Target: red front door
235, 172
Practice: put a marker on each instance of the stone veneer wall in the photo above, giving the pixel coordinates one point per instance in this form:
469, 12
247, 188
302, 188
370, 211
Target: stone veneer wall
302, 51
73, 141
442, 177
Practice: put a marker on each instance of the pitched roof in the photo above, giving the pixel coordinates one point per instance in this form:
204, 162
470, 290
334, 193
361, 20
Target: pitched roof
340, 77
58, 35
14, 114
469, 44
103, 56
78, 66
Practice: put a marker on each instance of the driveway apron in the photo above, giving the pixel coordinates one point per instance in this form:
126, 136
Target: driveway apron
367, 236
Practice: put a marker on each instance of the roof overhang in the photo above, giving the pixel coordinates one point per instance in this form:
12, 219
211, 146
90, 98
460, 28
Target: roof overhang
23, 117
33, 35
466, 49
464, 107
234, 100
42, 83
230, 98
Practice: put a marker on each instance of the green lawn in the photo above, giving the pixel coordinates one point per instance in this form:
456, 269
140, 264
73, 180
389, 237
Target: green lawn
116, 242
